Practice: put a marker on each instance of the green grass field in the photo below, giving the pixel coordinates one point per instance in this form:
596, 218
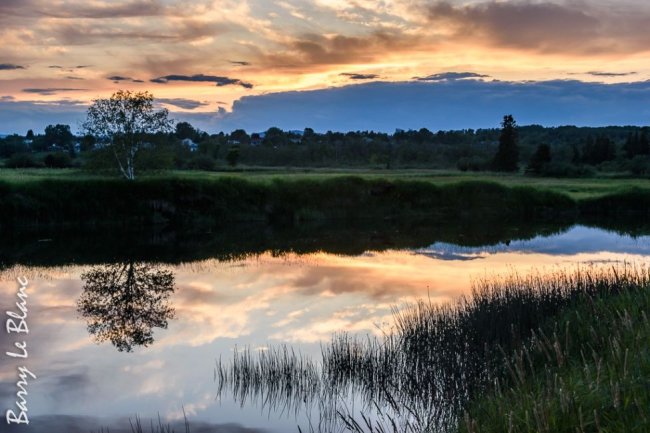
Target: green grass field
577, 188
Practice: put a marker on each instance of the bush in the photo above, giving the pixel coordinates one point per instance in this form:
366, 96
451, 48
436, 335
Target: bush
566, 169
154, 158
233, 156
473, 163
201, 162
640, 165
22, 160
57, 160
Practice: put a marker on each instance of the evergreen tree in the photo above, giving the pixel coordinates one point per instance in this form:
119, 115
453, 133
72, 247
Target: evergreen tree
599, 150
644, 146
540, 158
507, 156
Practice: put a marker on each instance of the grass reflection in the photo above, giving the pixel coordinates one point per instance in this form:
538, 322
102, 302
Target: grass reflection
437, 360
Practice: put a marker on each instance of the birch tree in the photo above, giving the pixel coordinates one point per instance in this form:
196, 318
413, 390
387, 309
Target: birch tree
124, 120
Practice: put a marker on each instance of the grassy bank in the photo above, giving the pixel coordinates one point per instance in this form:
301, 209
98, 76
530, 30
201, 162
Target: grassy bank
36, 198
564, 352
577, 188
586, 370
218, 201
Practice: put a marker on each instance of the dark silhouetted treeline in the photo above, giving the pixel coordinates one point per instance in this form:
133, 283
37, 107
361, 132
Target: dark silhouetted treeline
537, 150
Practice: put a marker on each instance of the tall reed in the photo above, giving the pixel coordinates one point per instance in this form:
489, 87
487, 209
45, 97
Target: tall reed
437, 360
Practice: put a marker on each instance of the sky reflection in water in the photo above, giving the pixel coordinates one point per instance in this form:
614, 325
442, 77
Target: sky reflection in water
264, 300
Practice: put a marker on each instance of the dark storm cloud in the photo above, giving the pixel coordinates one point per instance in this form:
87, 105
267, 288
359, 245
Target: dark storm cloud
119, 78
72, 69
353, 76
200, 78
50, 90
188, 104
382, 106
316, 49
521, 24
10, 67
454, 104
576, 27
106, 9
19, 116
182, 30
610, 74
447, 76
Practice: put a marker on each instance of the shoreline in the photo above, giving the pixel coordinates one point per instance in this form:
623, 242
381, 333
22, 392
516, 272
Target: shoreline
217, 202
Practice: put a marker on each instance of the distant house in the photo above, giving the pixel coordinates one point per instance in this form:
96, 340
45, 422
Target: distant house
257, 138
191, 145
55, 148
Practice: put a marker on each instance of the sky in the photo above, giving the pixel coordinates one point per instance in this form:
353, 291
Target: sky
329, 64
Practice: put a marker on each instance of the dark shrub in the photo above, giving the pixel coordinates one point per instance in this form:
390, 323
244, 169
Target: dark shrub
473, 163
22, 160
57, 160
566, 169
201, 162
640, 165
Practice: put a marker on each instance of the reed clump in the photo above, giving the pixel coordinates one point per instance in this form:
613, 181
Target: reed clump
586, 370
565, 351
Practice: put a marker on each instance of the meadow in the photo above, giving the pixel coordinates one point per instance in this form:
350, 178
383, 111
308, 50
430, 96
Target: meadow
577, 188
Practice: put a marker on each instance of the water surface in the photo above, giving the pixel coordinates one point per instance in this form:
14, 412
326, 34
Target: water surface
254, 300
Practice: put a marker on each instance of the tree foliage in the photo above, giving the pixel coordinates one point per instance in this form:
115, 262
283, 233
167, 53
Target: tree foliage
124, 121
540, 159
507, 157
60, 136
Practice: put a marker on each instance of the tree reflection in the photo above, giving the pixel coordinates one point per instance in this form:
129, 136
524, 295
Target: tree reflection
123, 302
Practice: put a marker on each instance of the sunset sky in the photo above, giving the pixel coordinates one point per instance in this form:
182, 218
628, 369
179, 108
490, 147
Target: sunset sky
200, 57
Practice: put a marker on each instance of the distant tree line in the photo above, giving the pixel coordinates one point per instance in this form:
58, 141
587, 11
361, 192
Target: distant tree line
534, 149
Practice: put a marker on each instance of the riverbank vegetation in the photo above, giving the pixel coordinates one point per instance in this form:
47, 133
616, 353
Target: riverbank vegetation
563, 352
217, 201
584, 370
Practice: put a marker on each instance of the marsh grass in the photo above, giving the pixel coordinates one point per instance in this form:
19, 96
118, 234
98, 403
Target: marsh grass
428, 374
587, 370
286, 379
214, 202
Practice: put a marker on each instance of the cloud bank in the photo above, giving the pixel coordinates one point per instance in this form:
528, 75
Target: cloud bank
444, 104
382, 106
